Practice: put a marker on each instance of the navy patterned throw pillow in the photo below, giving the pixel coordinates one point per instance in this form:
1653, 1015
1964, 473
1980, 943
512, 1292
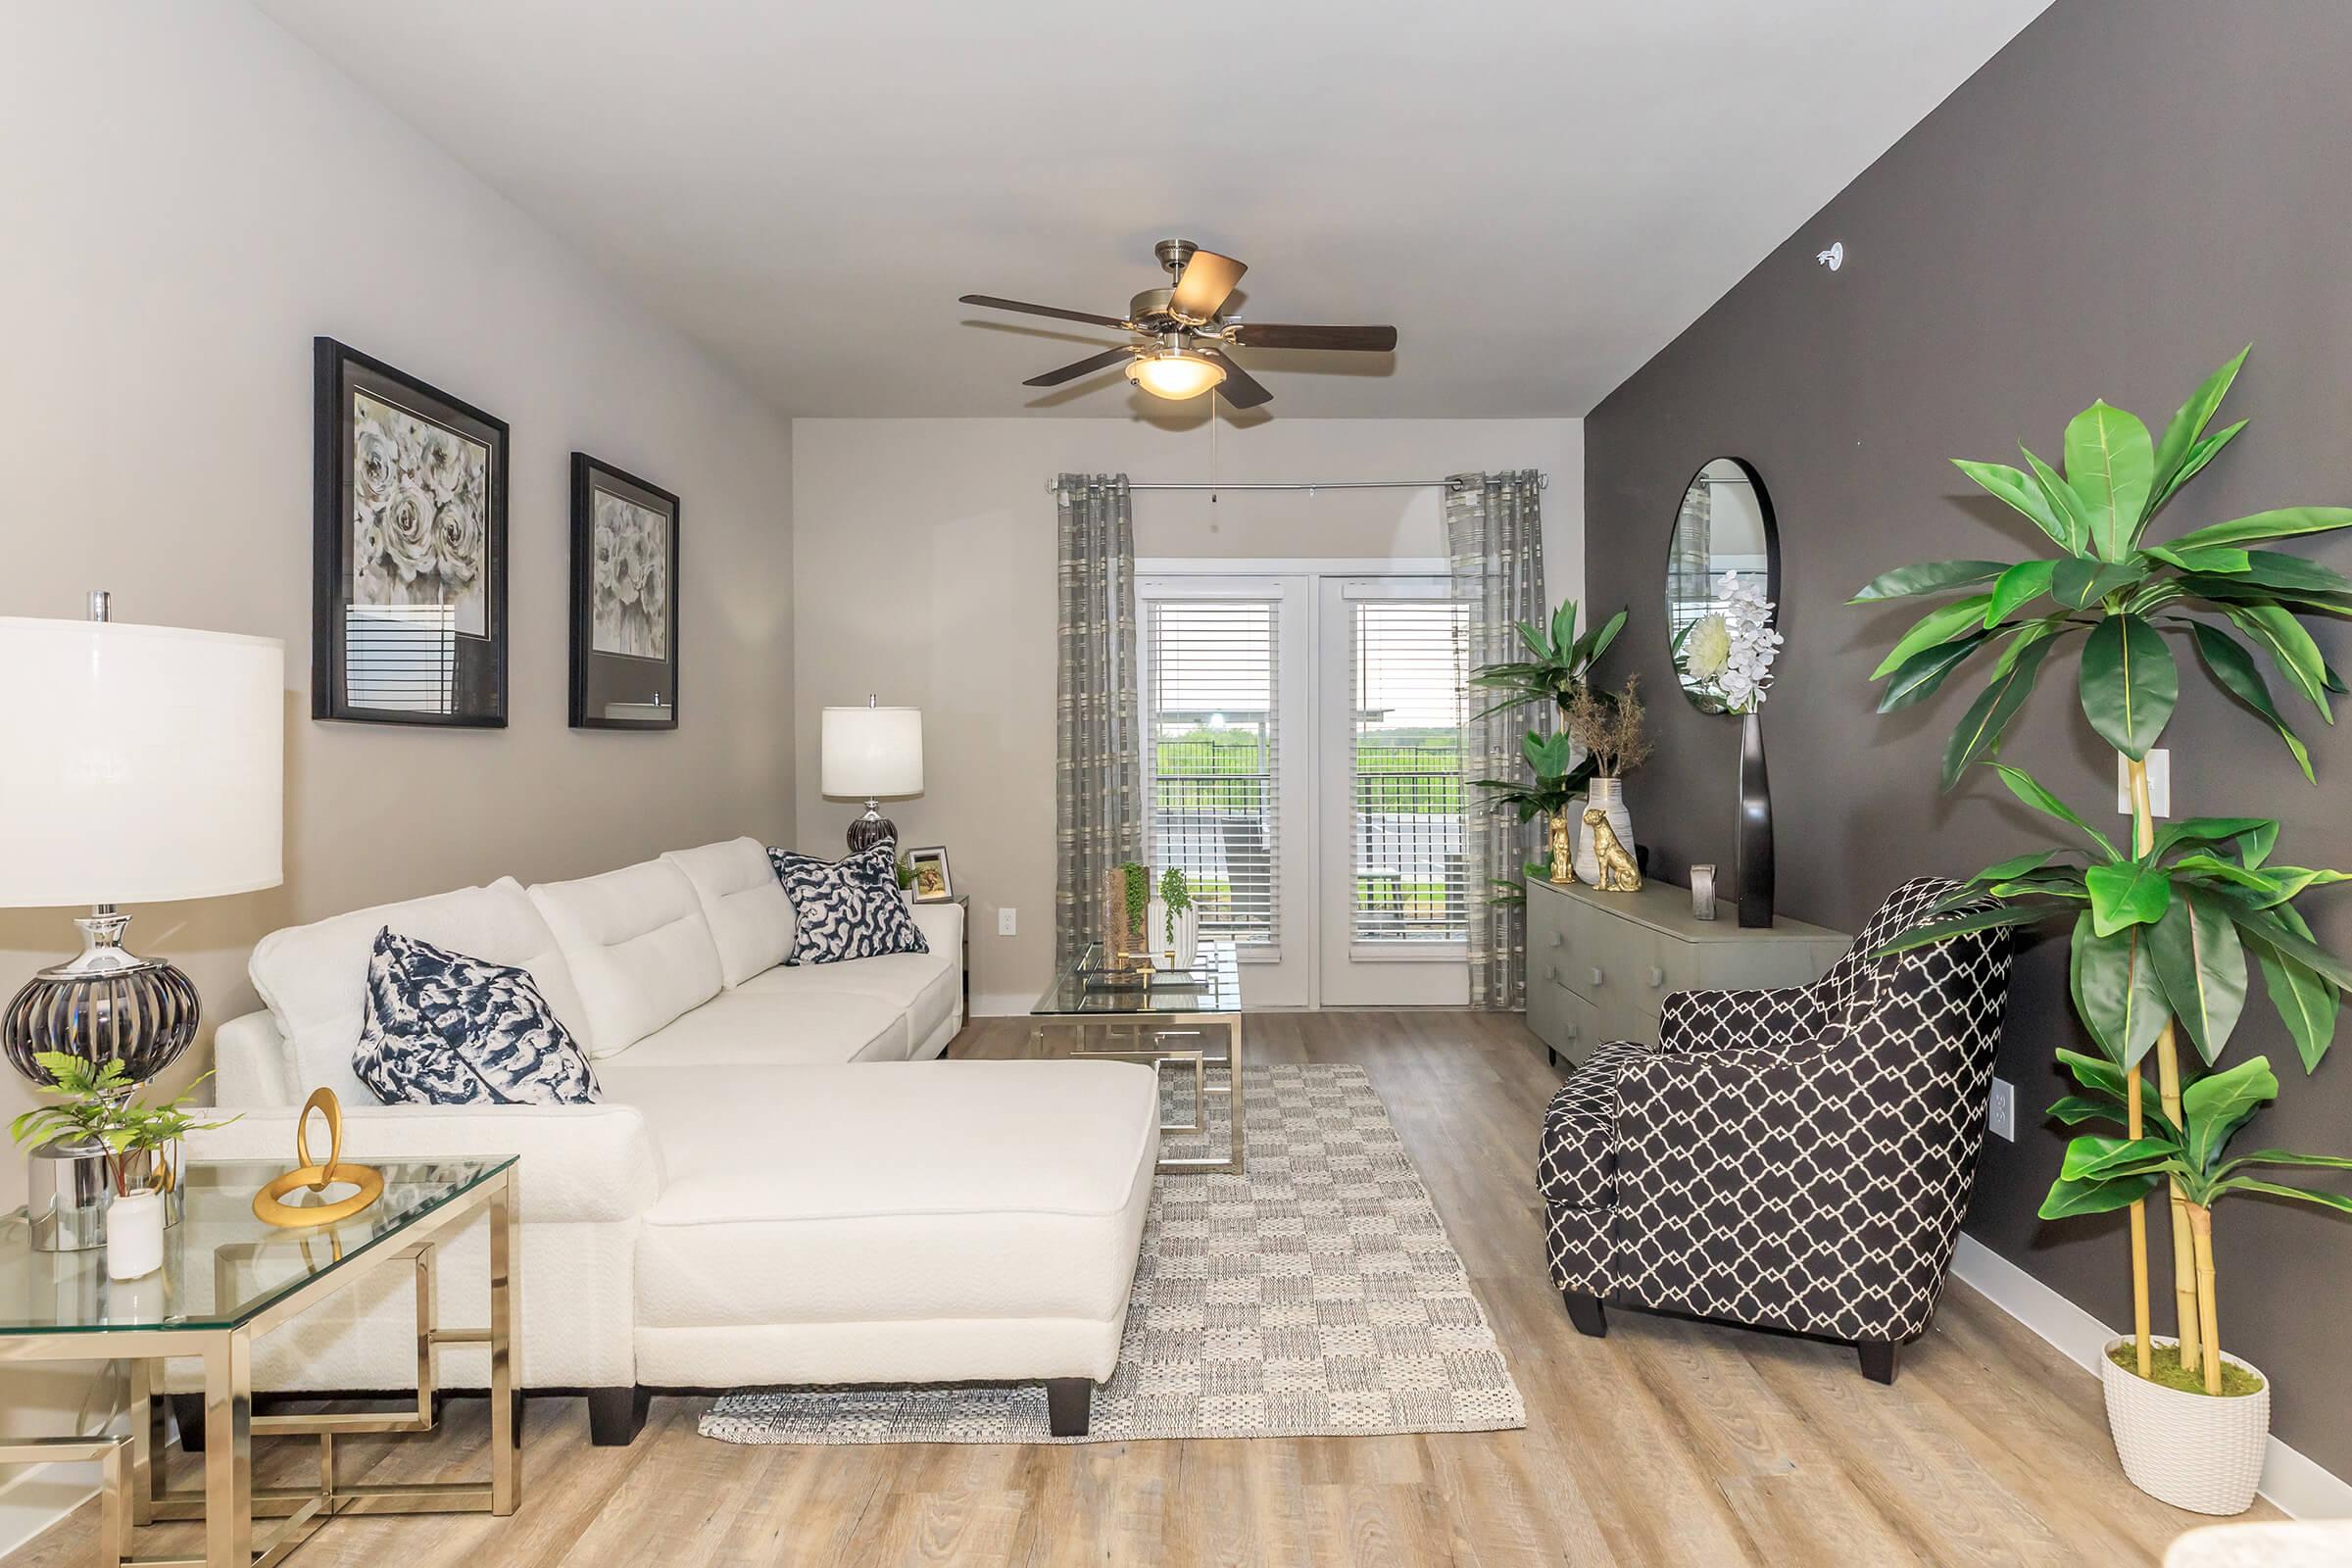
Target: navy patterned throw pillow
849, 909
442, 1029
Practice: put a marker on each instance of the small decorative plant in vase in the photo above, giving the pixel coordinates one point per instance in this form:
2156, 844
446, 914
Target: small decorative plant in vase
1129, 912
1725, 658
1178, 919
141, 1143
1555, 673
1610, 727
2167, 932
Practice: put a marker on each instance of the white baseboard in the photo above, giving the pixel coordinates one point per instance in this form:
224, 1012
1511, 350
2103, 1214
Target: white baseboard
2297, 1485
40, 1495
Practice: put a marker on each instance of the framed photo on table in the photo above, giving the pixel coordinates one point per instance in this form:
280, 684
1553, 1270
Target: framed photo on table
409, 549
624, 602
932, 884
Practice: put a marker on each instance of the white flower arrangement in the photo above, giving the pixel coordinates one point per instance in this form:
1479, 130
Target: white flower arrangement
1726, 654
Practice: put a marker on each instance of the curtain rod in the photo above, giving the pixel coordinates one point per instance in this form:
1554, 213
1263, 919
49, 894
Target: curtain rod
1543, 482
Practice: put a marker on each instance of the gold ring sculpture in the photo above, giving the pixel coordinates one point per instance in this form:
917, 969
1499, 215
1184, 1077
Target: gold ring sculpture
267, 1203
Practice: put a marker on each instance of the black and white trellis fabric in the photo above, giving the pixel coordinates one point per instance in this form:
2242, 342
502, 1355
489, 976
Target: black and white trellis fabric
1797, 1160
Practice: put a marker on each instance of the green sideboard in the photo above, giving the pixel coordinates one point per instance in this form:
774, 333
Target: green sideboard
1600, 965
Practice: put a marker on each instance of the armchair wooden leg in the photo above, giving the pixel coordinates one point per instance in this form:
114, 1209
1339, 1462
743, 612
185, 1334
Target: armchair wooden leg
1584, 1311
1879, 1358
616, 1415
1070, 1405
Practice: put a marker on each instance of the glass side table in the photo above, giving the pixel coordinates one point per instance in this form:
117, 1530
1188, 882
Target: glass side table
1174, 1020
226, 1278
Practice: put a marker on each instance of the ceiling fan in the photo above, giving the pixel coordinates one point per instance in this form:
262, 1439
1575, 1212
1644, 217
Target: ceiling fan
1181, 339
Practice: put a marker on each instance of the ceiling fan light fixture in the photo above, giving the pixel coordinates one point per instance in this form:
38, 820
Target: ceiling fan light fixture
1175, 374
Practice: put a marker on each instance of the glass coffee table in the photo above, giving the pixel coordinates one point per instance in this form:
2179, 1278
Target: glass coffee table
226, 1278
1176, 1019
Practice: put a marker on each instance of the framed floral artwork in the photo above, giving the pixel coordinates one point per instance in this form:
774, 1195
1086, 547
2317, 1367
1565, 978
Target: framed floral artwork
408, 550
624, 603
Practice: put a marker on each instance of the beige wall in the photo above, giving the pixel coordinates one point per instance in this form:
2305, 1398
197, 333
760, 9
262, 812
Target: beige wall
190, 196
923, 566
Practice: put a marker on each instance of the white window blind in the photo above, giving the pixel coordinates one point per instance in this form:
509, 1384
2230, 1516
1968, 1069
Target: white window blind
1214, 757
1409, 670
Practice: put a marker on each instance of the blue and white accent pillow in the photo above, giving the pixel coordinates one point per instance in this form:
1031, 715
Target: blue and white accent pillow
442, 1029
849, 909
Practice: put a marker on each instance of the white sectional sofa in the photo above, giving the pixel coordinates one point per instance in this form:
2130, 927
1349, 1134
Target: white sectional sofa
781, 1184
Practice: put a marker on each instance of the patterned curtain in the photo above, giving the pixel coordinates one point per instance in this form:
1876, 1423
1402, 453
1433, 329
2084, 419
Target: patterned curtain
1494, 535
1099, 771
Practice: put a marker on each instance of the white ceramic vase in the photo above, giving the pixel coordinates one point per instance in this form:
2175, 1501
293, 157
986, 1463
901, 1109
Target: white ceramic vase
1609, 795
134, 1235
1185, 944
2193, 1450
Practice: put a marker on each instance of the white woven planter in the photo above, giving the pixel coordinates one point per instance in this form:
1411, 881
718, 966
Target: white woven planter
2192, 1451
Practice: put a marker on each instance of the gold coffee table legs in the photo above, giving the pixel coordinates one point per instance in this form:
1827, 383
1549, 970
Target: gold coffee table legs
1185, 1039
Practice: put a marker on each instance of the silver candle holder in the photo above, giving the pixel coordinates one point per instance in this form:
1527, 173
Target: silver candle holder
1702, 892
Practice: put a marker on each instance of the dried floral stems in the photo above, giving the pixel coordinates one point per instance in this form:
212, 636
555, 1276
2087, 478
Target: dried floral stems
1609, 725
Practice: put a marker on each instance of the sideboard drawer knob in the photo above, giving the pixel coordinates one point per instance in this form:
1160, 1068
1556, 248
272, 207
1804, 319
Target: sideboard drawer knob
1597, 977
1555, 938
1657, 977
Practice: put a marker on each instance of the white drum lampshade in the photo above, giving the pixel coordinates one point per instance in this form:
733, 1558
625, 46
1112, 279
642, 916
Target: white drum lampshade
149, 766
868, 753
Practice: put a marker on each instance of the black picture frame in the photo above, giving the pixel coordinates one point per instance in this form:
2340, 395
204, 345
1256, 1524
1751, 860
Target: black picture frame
624, 645
389, 643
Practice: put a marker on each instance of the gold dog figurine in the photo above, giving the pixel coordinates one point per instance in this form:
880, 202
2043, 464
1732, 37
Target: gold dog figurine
1618, 872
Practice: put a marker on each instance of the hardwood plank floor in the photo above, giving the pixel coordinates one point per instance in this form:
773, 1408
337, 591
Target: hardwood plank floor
1665, 1443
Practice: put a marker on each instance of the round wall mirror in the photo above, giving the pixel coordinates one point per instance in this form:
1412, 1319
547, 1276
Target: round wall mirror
1725, 526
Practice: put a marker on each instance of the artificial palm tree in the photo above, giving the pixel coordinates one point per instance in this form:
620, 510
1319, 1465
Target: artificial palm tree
2161, 933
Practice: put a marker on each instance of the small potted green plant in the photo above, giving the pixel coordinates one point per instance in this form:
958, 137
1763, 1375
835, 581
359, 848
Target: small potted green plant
142, 1141
1177, 918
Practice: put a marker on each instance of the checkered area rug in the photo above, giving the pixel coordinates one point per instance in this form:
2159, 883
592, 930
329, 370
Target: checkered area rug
1315, 1295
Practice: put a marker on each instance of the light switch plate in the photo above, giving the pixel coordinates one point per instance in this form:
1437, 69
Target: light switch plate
2000, 1110
1007, 924
2160, 783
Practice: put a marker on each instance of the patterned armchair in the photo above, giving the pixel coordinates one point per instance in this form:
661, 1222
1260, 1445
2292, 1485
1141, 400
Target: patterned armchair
1795, 1159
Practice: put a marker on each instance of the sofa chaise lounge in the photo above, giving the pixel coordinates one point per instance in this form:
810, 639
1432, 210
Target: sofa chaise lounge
780, 1186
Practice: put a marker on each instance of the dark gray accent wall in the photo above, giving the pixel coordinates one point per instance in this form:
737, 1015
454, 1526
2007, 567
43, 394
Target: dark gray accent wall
2111, 208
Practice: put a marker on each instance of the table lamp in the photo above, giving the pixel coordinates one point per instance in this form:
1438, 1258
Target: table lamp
869, 752
150, 768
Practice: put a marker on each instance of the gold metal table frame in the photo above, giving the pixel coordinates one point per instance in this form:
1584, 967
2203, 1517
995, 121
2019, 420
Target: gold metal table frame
132, 1466
1156, 1040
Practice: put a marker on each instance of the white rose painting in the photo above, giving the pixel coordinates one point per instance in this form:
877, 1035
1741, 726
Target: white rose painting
630, 578
420, 496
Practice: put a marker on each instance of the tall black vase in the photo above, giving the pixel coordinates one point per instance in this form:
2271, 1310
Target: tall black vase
1755, 825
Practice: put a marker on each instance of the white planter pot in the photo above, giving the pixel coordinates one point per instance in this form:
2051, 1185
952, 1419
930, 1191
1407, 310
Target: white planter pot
2192, 1451
134, 1235
1186, 946
1609, 795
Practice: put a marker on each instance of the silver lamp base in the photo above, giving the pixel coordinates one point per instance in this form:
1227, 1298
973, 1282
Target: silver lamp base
871, 828
71, 1189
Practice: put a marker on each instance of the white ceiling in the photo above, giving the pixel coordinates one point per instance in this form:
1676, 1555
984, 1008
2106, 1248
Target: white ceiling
1539, 194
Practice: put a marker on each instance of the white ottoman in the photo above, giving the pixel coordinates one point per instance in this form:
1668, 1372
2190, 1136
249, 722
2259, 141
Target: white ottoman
922, 1222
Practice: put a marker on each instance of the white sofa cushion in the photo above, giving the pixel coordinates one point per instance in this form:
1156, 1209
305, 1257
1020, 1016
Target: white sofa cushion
927, 987
639, 948
314, 978
913, 1192
751, 918
745, 1029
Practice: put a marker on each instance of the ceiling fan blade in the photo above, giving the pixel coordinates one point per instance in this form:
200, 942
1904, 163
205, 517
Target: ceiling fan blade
1206, 280
1086, 366
992, 303
1273, 335
1241, 389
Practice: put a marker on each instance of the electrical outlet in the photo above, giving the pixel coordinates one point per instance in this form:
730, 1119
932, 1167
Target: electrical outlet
2160, 783
1007, 923
2000, 1110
